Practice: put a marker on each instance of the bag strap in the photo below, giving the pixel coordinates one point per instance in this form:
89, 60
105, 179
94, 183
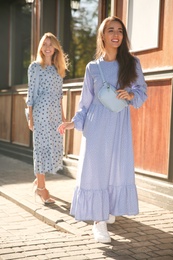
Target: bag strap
101, 73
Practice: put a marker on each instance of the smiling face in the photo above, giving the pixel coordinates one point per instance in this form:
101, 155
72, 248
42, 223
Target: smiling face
113, 35
47, 48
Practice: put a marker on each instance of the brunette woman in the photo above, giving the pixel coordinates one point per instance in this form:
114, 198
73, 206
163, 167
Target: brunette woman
106, 181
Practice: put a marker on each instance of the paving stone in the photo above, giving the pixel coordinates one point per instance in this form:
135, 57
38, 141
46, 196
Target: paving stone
29, 230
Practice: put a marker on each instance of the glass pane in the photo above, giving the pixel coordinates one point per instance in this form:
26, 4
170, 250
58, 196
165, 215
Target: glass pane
20, 42
84, 22
143, 30
108, 8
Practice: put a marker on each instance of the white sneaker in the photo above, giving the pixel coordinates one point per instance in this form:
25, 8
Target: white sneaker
111, 219
100, 232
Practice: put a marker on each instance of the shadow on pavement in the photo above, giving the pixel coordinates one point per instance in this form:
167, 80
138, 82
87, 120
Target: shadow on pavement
148, 235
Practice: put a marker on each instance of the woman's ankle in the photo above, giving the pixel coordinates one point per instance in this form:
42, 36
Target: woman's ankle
41, 188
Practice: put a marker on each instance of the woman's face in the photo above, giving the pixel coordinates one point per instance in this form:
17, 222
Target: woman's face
47, 48
113, 35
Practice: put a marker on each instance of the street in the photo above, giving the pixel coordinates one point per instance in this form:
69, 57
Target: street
30, 230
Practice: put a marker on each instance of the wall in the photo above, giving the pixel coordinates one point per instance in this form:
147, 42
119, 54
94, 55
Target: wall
4, 26
152, 124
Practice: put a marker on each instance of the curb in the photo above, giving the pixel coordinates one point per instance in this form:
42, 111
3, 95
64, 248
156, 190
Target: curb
56, 215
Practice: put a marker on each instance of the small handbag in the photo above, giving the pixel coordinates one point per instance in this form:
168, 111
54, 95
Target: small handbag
35, 92
108, 96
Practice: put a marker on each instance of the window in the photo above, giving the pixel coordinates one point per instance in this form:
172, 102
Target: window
20, 42
143, 24
84, 22
77, 30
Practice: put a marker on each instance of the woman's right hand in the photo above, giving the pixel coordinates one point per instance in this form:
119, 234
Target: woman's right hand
30, 124
65, 126
30, 121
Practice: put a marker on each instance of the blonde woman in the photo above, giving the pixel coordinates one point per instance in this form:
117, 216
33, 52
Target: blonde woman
106, 181
45, 110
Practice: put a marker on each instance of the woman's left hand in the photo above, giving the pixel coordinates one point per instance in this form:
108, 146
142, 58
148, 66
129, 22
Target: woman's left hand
123, 94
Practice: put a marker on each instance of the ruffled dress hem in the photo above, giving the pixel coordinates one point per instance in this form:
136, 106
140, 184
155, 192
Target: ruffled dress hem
55, 171
96, 205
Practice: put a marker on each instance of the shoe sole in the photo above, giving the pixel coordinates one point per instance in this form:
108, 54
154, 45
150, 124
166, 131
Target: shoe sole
103, 241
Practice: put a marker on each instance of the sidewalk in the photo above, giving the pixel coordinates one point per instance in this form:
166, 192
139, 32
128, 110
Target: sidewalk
148, 235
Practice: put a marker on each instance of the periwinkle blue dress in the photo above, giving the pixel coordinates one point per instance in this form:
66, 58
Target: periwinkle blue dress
47, 142
105, 178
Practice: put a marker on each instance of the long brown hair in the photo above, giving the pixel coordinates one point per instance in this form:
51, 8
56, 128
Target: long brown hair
127, 62
59, 58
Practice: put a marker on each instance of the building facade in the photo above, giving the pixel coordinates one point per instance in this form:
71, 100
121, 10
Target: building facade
75, 24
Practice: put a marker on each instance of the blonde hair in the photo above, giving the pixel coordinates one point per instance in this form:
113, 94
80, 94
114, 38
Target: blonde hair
59, 58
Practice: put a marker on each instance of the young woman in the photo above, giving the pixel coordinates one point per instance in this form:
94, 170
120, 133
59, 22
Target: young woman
45, 110
106, 182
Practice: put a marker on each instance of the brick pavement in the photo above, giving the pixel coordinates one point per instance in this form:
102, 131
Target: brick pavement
29, 230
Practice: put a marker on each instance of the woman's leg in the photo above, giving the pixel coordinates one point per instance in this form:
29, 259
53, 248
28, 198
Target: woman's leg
40, 180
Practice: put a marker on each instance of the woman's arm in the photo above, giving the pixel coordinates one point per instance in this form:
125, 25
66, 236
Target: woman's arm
30, 94
139, 88
85, 101
32, 71
86, 98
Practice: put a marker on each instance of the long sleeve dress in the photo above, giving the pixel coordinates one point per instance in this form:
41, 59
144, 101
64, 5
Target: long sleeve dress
47, 142
105, 178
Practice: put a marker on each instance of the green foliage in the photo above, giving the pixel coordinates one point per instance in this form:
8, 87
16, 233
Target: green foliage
83, 43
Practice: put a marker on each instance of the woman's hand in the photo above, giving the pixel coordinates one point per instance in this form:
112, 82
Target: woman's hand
30, 124
30, 121
65, 126
123, 94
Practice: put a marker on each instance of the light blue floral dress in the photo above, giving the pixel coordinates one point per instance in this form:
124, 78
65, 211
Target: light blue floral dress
47, 142
105, 179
